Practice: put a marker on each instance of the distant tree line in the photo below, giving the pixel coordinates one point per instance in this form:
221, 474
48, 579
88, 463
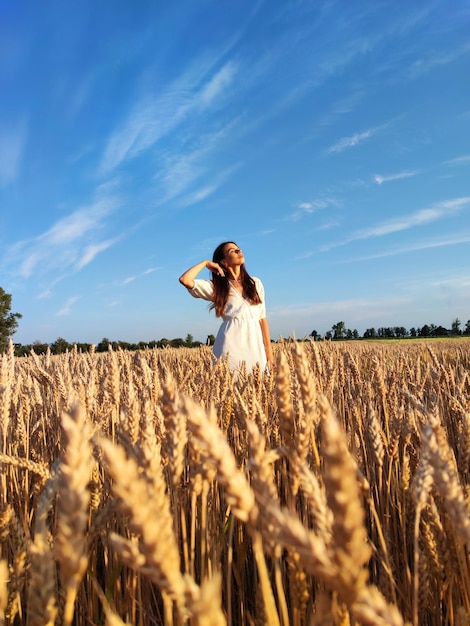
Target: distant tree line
60, 345
340, 332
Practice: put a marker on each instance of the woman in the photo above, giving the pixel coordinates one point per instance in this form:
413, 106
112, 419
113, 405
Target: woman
238, 299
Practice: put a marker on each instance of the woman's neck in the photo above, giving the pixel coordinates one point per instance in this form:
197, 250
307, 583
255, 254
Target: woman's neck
235, 275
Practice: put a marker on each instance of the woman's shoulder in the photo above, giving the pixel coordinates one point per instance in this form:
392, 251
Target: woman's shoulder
202, 288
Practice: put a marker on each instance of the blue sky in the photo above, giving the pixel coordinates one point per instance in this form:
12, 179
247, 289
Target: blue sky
329, 139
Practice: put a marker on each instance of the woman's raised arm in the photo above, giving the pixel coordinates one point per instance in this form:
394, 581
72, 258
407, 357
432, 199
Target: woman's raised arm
187, 279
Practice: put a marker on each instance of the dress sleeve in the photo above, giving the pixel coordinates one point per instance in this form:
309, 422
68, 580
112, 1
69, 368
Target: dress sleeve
202, 289
262, 306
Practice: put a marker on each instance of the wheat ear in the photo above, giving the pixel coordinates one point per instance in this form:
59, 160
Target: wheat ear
72, 510
204, 602
7, 368
284, 399
371, 609
304, 435
217, 452
349, 549
145, 501
447, 483
420, 485
175, 431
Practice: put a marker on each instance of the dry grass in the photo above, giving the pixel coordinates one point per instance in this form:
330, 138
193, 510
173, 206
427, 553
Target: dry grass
152, 488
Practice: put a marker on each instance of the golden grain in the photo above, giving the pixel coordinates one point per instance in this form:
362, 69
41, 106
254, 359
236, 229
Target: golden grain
333, 491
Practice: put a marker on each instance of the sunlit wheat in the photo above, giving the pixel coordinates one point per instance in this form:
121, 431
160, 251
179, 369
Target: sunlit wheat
154, 488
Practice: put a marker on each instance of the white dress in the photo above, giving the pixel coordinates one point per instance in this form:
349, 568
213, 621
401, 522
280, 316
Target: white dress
239, 335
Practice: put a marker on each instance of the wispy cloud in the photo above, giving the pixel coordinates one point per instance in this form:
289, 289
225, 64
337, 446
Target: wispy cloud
152, 119
218, 84
65, 310
438, 60
267, 231
47, 292
207, 190
461, 160
339, 109
380, 179
128, 280
409, 22
147, 123
357, 138
78, 93
131, 279
416, 247
92, 250
312, 206
70, 242
329, 225
457, 282
199, 195
353, 140
417, 218
184, 170
12, 142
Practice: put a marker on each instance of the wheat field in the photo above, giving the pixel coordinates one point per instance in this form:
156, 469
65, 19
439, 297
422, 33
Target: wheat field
153, 488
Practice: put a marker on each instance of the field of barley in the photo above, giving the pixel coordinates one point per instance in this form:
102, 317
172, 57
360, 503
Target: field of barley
153, 488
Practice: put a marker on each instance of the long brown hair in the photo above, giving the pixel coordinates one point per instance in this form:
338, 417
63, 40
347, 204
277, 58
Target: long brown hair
222, 285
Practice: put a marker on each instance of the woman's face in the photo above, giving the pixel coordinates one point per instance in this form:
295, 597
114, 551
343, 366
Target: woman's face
233, 256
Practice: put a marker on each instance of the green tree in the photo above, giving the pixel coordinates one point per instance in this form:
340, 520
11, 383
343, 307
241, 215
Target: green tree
103, 345
189, 340
60, 346
339, 330
39, 348
210, 341
455, 326
8, 320
467, 328
400, 331
178, 342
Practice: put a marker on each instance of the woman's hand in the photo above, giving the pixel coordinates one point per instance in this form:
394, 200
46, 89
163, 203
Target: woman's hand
215, 268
